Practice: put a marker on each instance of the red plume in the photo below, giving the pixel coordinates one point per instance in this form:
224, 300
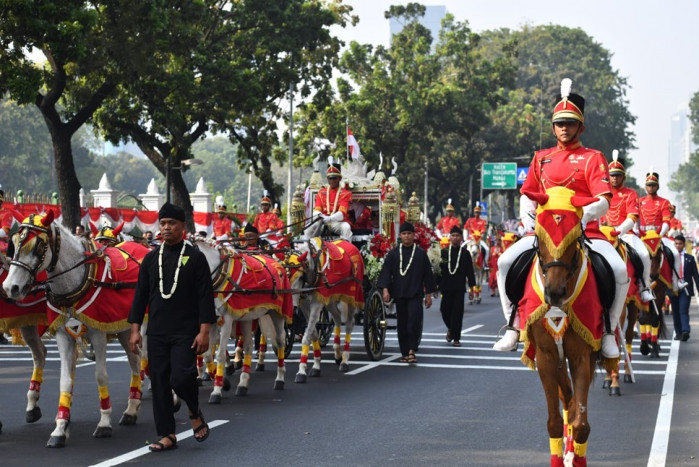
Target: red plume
614, 233
302, 258
541, 198
117, 230
580, 201
47, 218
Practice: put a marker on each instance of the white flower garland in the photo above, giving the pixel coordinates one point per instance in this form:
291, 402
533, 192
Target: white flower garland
177, 271
400, 264
458, 259
327, 200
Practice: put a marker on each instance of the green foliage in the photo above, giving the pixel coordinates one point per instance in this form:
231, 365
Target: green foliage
685, 180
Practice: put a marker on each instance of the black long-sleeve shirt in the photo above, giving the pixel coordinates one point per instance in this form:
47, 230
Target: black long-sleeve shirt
418, 279
456, 282
191, 304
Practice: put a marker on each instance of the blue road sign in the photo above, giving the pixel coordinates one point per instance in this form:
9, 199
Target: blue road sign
522, 174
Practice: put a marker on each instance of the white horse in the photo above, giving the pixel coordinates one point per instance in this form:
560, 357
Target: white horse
335, 270
83, 289
478, 258
244, 292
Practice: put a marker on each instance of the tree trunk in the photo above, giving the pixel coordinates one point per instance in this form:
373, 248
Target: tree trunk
68, 184
180, 197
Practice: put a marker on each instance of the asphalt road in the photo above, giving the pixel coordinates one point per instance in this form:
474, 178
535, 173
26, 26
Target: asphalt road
458, 406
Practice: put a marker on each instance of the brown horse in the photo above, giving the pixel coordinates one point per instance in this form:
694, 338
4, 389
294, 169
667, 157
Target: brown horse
651, 322
563, 329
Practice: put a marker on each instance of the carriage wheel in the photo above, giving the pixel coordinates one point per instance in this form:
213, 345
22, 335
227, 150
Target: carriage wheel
324, 326
374, 325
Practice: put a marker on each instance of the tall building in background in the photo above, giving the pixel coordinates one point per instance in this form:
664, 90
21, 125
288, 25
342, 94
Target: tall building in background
680, 145
432, 21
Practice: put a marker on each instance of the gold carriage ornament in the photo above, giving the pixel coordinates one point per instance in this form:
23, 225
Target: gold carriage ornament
413, 211
390, 211
298, 210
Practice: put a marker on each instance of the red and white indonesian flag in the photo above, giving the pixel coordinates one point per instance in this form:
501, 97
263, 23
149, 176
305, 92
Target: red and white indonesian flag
352, 145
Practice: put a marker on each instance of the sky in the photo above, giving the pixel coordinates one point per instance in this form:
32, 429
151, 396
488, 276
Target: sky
654, 44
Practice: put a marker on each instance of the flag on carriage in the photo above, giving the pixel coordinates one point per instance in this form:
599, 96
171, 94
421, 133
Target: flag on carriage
352, 145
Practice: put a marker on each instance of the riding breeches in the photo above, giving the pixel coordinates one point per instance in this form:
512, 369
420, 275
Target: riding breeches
640, 248
342, 229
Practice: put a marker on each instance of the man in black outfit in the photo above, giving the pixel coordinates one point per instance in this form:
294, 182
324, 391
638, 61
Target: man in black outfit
688, 278
406, 276
175, 285
456, 266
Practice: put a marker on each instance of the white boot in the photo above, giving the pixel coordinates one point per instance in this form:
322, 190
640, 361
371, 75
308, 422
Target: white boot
610, 348
508, 341
647, 295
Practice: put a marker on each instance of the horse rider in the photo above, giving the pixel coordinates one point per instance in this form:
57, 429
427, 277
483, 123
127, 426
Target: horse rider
332, 203
623, 215
585, 171
655, 214
476, 224
676, 226
267, 220
223, 225
447, 222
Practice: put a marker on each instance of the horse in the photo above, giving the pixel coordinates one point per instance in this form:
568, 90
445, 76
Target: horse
475, 248
89, 295
563, 324
651, 322
247, 288
334, 272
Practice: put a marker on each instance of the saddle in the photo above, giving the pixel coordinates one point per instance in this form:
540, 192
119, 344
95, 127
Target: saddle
635, 260
516, 279
604, 275
669, 256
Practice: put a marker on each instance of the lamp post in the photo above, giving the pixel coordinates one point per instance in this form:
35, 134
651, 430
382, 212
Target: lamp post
247, 211
183, 164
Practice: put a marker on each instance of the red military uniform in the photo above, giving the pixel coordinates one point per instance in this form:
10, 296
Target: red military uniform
364, 219
446, 223
475, 223
623, 205
329, 201
222, 227
676, 224
653, 212
265, 221
575, 167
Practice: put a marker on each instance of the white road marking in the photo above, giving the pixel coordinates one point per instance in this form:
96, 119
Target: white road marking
144, 450
661, 435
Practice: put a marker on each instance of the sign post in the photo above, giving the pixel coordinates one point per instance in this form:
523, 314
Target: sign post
499, 176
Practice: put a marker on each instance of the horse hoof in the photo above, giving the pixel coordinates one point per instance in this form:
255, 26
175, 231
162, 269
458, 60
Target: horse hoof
344, 368
241, 391
278, 385
615, 391
226, 384
607, 384
315, 372
645, 348
300, 378
56, 442
33, 415
338, 360
103, 432
206, 376
230, 370
215, 399
260, 367
128, 419
627, 379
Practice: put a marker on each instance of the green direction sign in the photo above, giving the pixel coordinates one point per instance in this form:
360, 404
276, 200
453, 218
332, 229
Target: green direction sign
499, 176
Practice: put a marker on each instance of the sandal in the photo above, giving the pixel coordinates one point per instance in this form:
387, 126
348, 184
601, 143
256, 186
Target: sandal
201, 427
160, 447
403, 359
412, 358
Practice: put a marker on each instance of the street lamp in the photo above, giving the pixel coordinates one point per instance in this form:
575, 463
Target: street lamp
183, 164
247, 211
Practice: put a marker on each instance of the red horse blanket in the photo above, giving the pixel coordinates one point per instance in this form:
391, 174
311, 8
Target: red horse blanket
103, 307
31, 311
339, 261
583, 310
250, 273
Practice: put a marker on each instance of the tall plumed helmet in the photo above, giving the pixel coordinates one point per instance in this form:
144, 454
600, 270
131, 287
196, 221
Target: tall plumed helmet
616, 167
449, 206
477, 207
265, 198
220, 207
334, 170
569, 107
652, 178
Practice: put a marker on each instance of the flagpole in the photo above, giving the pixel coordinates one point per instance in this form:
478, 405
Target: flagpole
347, 132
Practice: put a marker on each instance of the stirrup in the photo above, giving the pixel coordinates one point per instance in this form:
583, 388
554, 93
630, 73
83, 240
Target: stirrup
503, 345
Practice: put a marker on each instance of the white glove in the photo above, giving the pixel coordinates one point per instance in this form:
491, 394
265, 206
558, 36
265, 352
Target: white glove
3, 234
325, 219
664, 229
527, 213
624, 226
335, 217
595, 210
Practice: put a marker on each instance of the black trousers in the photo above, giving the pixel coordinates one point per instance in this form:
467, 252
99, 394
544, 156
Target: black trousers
452, 308
409, 311
173, 366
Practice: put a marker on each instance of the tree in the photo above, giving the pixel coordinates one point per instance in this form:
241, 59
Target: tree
685, 180
89, 48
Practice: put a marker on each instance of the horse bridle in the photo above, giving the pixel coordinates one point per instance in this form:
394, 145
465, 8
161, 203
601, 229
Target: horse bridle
44, 237
570, 267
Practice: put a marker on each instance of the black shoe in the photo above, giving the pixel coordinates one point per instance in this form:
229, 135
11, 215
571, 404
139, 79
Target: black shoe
685, 337
676, 338
3, 339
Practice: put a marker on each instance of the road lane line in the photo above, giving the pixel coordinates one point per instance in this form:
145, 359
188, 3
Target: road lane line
144, 450
661, 435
